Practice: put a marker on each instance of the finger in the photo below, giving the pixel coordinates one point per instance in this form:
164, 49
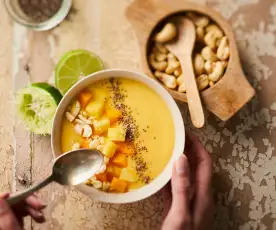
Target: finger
7, 218
201, 162
37, 215
34, 202
4, 195
180, 191
202, 208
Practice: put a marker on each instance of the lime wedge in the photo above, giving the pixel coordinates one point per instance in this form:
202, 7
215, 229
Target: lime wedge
75, 65
36, 106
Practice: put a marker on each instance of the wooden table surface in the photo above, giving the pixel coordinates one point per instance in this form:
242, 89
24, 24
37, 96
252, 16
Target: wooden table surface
243, 149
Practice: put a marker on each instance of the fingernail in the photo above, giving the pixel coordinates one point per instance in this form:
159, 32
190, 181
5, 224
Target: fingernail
182, 165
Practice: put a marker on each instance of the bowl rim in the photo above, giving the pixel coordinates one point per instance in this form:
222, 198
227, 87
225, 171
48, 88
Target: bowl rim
162, 179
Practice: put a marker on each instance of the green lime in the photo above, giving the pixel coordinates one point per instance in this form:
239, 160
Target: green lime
75, 65
36, 106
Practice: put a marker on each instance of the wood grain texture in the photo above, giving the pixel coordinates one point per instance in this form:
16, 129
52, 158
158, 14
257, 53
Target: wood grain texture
182, 47
223, 99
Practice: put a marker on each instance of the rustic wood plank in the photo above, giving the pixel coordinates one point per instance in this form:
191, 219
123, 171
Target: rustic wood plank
23, 156
68, 208
6, 104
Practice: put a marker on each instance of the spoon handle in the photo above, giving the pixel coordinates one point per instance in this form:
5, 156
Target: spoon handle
21, 196
193, 98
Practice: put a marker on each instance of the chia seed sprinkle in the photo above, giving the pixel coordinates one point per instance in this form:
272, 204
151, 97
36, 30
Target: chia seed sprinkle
131, 127
40, 10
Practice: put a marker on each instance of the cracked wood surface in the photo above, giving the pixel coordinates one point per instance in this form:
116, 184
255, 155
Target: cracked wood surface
243, 149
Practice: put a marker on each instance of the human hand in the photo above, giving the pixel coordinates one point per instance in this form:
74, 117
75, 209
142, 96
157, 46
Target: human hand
188, 202
11, 218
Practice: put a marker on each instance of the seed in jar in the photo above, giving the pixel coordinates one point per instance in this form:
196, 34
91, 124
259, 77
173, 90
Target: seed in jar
40, 10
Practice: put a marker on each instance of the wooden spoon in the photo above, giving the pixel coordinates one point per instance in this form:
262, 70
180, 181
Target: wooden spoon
183, 47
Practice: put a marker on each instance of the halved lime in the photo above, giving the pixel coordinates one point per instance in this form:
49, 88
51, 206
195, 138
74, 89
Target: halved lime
36, 106
75, 65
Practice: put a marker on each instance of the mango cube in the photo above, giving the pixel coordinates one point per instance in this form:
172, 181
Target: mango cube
120, 160
99, 94
118, 185
95, 109
102, 176
126, 148
109, 148
128, 174
113, 171
84, 97
85, 143
113, 114
116, 134
101, 125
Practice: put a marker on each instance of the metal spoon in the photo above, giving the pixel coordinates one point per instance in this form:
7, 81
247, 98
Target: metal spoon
71, 168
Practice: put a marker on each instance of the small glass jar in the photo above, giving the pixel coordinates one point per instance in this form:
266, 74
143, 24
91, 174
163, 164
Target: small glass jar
15, 11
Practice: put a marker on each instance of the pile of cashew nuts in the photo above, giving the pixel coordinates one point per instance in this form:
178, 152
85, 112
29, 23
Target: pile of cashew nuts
210, 57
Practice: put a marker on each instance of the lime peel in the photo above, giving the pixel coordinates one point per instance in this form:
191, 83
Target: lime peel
36, 106
75, 65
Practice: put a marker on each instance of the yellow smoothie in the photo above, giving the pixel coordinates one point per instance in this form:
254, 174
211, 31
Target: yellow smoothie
132, 126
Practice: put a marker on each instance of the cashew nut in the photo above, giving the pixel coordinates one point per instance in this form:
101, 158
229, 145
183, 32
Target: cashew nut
200, 34
160, 66
173, 64
97, 184
182, 88
160, 48
223, 51
167, 79
180, 82
85, 120
69, 117
75, 146
215, 29
217, 71
87, 131
208, 66
210, 39
160, 57
208, 54
201, 21
78, 129
211, 83
76, 107
202, 82
198, 64
168, 33
177, 72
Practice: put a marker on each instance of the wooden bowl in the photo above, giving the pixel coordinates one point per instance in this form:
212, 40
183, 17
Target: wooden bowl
232, 91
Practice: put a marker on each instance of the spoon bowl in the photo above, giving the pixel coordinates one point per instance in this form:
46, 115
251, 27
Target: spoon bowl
71, 168
75, 167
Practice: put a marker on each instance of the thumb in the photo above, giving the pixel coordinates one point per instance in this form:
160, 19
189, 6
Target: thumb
181, 189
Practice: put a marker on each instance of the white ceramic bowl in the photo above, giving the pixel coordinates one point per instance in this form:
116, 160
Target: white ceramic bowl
159, 181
